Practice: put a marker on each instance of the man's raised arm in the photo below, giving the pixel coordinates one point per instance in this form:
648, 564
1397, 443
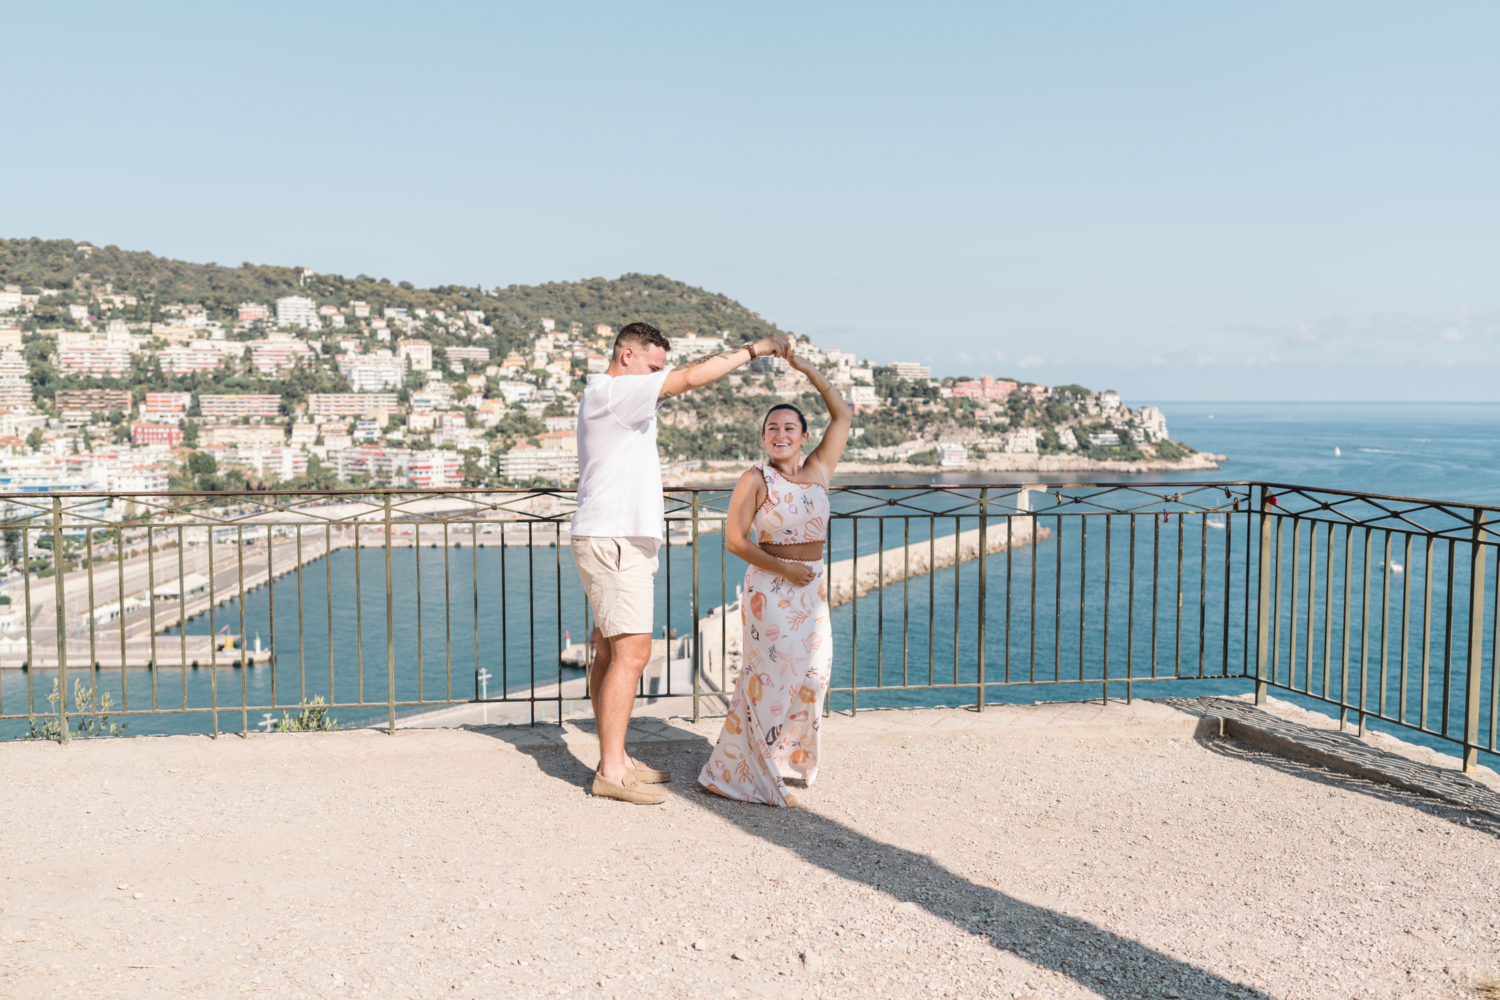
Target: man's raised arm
701, 371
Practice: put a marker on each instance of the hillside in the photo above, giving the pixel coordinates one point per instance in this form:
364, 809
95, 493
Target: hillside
515, 312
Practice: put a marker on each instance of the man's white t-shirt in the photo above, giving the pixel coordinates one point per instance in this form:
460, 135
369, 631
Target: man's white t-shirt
619, 472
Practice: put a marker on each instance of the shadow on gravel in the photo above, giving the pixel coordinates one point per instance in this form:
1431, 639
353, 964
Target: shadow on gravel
1473, 818
1112, 966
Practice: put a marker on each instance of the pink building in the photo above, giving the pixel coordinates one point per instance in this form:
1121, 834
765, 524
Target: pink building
986, 389
143, 433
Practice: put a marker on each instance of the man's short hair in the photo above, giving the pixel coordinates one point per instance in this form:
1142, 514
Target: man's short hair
639, 335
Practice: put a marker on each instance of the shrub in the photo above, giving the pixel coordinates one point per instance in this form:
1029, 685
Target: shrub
91, 710
314, 718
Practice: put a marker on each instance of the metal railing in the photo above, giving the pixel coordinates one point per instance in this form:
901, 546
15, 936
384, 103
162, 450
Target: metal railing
1376, 605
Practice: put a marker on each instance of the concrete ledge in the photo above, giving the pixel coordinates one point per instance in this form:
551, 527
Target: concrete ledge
1340, 751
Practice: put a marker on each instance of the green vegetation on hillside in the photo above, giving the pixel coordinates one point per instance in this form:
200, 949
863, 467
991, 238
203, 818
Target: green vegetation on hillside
515, 311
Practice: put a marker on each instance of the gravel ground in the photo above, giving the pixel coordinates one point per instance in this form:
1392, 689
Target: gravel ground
944, 863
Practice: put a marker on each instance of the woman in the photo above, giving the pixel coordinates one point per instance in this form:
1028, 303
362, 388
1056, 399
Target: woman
771, 731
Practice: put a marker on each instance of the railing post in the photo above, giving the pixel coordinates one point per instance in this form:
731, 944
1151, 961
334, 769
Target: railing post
1263, 601
390, 626
696, 625
984, 499
1476, 644
62, 620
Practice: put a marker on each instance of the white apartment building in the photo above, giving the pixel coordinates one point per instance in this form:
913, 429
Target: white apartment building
369, 373
242, 435
279, 353
350, 404
526, 462
436, 468
249, 312
1022, 441
1154, 423
952, 456
476, 355
282, 463
95, 362
911, 370
10, 337
185, 360
361, 310
862, 395
239, 405
691, 346
378, 465
15, 393
166, 407
14, 363
516, 392
416, 353
297, 310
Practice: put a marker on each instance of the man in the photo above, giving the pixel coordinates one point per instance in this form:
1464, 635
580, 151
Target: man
618, 528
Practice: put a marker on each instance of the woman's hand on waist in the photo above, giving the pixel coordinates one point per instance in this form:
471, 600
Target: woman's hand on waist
798, 574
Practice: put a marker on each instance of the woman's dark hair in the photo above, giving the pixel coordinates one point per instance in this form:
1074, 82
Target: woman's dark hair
783, 406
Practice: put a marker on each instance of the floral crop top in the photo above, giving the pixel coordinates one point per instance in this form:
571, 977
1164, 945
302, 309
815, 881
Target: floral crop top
792, 512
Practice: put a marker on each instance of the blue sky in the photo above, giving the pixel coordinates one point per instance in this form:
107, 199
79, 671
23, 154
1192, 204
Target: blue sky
1175, 200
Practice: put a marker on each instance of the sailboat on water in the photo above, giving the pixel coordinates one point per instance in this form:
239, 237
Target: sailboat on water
1336, 452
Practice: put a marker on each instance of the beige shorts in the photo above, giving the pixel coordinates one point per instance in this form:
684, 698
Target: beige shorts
619, 578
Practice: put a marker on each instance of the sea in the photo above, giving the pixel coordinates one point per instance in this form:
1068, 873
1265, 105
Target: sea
527, 602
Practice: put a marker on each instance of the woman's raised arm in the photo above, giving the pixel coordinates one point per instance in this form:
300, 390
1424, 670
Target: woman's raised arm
840, 417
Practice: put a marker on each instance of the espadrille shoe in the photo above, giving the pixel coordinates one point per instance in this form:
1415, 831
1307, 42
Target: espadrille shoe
632, 790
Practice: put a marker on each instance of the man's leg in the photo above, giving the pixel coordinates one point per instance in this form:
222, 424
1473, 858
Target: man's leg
612, 685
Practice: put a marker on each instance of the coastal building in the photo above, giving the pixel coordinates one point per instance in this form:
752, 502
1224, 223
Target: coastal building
1066, 438
278, 353
1104, 439
690, 346
13, 363
146, 433
350, 404
862, 395
10, 337
279, 463
80, 404
1154, 423
434, 469
180, 360
250, 312
239, 405
361, 310
95, 361
372, 372
987, 389
911, 370
416, 353
166, 407
1022, 441
952, 456
297, 310
376, 466
526, 462
242, 435
474, 355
